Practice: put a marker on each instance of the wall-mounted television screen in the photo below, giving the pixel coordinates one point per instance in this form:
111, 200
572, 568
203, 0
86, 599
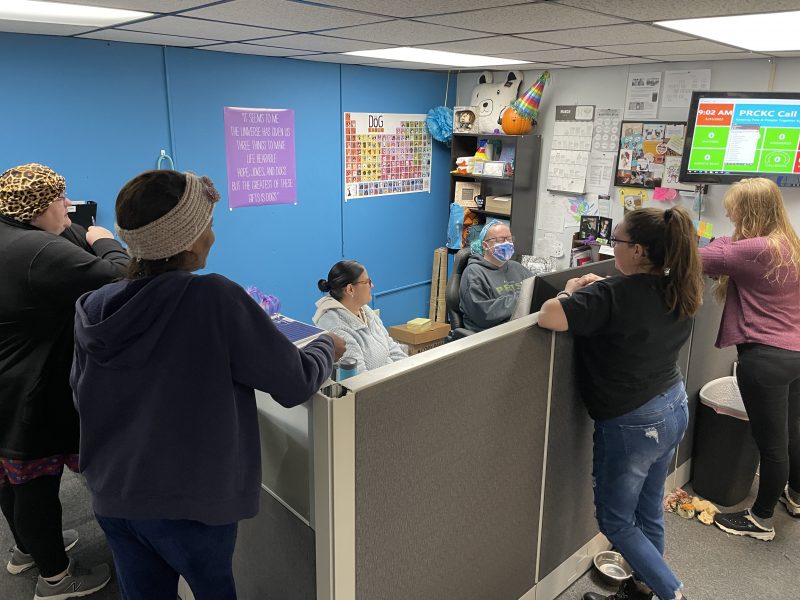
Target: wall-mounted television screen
732, 135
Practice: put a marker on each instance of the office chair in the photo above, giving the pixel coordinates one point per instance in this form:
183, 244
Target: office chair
452, 298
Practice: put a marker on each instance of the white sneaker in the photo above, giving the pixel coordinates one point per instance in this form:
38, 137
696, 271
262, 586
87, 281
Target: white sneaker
791, 506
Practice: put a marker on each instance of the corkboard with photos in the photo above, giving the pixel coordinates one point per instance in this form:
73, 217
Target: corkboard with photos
650, 154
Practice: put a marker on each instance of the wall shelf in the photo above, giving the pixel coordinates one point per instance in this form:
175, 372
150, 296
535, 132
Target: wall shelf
523, 186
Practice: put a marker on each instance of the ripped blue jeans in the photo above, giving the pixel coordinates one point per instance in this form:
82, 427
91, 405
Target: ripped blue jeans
632, 456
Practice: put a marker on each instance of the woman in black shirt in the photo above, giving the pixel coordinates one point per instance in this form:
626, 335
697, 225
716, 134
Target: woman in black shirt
628, 332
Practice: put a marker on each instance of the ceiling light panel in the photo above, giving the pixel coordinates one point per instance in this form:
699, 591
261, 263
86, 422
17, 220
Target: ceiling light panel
770, 32
436, 57
66, 14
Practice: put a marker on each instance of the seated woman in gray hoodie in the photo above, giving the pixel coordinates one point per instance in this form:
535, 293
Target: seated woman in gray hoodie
345, 311
491, 281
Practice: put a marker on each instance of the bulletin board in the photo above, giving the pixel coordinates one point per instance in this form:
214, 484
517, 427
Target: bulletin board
386, 154
650, 154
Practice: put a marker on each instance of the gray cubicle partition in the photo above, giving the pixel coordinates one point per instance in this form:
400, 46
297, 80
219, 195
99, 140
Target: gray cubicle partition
431, 473
448, 471
461, 472
706, 363
568, 521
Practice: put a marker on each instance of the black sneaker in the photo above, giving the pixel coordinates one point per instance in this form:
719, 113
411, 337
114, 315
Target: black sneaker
626, 591
791, 506
742, 523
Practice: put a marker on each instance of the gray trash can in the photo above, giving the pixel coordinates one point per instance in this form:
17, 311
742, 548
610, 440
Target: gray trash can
725, 456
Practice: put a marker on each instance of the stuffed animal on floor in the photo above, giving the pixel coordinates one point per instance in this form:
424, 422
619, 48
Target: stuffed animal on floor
491, 98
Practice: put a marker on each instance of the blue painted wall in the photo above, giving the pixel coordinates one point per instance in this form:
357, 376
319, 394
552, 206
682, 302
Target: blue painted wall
99, 112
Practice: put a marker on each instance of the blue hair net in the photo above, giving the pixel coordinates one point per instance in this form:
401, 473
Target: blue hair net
476, 247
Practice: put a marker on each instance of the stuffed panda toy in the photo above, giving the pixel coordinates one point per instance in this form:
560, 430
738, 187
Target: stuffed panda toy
492, 98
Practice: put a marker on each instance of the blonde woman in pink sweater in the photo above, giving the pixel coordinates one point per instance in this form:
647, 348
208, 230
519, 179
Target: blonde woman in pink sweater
759, 280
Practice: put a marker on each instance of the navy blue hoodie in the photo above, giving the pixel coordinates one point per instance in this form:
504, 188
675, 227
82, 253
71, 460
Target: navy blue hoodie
163, 377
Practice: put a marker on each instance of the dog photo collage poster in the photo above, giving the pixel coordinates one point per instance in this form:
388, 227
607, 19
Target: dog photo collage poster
650, 154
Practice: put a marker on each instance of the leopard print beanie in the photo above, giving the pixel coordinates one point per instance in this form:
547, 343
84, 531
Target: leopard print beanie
28, 190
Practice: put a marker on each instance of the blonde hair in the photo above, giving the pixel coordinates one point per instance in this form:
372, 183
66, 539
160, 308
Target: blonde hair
671, 242
755, 206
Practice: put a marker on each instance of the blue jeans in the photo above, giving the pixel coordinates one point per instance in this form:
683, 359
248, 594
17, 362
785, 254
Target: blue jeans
150, 555
632, 455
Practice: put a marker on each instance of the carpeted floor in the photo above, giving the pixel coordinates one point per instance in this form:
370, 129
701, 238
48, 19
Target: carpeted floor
712, 564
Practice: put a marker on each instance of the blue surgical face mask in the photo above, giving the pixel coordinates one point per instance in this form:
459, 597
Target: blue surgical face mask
504, 251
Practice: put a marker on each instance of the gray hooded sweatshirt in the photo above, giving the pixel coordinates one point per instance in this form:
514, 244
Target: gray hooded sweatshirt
488, 293
367, 341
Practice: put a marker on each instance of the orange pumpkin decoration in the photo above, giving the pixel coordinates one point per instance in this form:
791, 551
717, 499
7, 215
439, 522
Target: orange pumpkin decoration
513, 123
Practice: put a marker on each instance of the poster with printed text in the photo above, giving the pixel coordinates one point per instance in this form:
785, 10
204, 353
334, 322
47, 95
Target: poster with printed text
386, 153
260, 156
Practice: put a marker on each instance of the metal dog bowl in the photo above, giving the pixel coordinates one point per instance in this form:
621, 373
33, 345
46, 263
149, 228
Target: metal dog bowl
612, 566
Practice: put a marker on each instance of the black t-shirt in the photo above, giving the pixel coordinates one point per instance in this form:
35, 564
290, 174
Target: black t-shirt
627, 341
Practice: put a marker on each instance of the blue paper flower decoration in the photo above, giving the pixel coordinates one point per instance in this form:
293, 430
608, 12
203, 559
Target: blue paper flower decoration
440, 123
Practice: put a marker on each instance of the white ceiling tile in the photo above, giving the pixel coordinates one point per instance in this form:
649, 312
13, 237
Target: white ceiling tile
609, 35
492, 46
562, 55
342, 59
410, 8
201, 28
253, 49
655, 10
682, 47
154, 6
606, 62
136, 37
406, 33
709, 56
523, 18
282, 14
42, 28
785, 54
317, 43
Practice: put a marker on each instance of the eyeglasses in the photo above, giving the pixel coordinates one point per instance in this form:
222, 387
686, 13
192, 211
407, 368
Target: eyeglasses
500, 240
367, 281
614, 241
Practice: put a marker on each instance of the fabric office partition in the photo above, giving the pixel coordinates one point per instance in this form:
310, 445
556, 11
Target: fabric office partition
448, 465
568, 517
706, 361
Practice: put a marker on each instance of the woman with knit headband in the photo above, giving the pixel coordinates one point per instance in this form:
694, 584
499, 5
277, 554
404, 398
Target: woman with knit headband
166, 363
41, 276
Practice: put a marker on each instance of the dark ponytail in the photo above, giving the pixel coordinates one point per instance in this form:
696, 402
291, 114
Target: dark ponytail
340, 276
670, 240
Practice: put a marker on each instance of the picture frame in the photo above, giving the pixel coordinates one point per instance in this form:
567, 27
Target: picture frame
646, 150
589, 226
477, 168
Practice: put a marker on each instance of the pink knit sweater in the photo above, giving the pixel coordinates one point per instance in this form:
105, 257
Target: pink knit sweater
757, 309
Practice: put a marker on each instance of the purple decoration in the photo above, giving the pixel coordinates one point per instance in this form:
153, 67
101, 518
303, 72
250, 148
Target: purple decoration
259, 147
269, 303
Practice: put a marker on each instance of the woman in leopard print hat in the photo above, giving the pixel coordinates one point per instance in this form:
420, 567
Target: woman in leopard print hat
43, 274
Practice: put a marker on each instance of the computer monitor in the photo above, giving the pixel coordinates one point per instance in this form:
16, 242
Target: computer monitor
548, 285
731, 135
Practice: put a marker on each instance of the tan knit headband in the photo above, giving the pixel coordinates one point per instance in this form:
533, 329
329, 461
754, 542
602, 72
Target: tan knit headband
28, 190
179, 228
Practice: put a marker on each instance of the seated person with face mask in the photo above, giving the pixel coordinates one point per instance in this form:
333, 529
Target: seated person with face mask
491, 282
